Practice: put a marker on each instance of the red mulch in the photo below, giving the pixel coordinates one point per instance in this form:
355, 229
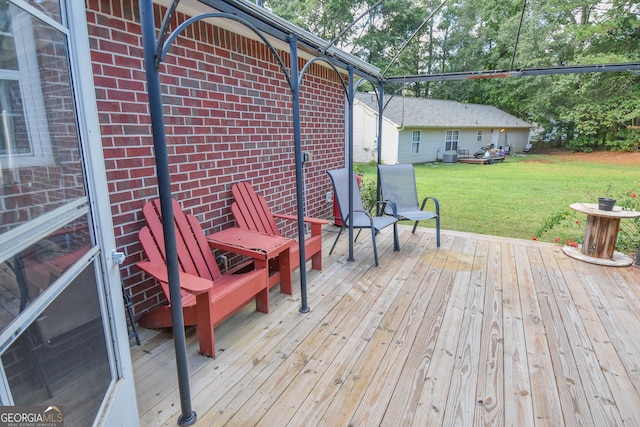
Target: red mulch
609, 157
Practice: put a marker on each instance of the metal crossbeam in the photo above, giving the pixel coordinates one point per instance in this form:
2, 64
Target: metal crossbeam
493, 74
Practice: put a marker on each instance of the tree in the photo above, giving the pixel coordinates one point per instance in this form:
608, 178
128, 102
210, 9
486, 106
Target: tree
476, 35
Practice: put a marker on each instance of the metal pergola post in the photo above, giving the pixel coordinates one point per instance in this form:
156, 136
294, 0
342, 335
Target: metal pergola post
297, 143
379, 142
351, 95
188, 416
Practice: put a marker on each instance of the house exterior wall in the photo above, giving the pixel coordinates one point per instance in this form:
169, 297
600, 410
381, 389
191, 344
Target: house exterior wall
228, 118
517, 138
433, 140
365, 137
428, 149
390, 143
469, 139
365, 134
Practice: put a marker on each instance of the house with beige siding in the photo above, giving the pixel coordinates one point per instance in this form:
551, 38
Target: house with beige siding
420, 130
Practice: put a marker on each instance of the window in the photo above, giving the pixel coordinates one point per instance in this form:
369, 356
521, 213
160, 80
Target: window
451, 140
14, 138
479, 136
12, 126
40, 157
24, 141
415, 142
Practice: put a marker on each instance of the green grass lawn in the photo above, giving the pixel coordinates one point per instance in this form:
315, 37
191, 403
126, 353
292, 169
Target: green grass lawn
515, 198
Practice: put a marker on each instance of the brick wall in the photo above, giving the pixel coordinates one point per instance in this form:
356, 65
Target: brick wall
228, 118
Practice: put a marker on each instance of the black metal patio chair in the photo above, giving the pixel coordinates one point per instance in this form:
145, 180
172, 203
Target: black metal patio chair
361, 217
398, 185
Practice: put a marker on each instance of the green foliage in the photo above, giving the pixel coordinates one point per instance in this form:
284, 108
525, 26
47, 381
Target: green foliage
552, 222
326, 18
629, 233
582, 144
625, 141
368, 190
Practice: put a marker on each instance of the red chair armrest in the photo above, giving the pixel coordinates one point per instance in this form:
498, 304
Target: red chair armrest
306, 219
193, 284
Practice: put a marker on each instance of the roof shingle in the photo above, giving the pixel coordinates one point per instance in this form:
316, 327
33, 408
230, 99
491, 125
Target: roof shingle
424, 112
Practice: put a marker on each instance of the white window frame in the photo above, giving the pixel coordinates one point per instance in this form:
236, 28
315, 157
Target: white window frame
449, 140
28, 77
479, 136
415, 141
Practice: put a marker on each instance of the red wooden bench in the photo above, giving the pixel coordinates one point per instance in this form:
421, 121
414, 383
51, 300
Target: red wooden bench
208, 297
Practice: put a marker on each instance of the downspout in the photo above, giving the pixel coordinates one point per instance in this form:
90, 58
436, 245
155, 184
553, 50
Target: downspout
297, 142
188, 416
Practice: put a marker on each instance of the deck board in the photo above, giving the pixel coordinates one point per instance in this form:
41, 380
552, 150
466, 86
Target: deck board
435, 292
490, 388
482, 331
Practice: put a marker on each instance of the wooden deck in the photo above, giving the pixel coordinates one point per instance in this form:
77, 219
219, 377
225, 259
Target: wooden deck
484, 331
480, 161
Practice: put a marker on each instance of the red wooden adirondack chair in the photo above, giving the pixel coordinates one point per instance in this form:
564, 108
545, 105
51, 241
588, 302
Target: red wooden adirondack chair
208, 297
251, 212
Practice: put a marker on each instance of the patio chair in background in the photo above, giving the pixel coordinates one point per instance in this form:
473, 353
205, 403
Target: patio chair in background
361, 217
251, 212
398, 184
208, 297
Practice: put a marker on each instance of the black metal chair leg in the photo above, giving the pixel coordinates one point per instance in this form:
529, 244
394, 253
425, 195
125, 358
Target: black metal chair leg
396, 241
336, 241
375, 249
128, 304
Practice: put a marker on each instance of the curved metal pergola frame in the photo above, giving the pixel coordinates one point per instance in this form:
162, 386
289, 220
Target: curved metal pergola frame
163, 49
155, 52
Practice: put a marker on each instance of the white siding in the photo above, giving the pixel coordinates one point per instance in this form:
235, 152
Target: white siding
389, 142
365, 133
365, 136
428, 146
469, 139
518, 138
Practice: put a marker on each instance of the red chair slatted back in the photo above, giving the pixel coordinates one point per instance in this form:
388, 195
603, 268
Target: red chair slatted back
251, 210
155, 253
194, 255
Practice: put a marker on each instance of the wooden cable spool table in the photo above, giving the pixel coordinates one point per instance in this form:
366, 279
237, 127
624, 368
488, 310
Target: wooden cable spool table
600, 234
